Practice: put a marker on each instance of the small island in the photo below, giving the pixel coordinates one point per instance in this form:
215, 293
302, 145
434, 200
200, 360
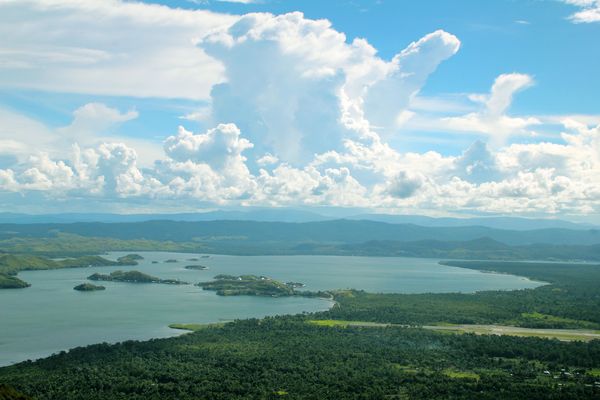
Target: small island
88, 287
253, 285
133, 277
130, 259
196, 267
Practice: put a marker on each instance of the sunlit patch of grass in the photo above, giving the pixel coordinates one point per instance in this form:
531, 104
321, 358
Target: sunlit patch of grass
553, 319
595, 372
560, 334
408, 369
455, 374
344, 324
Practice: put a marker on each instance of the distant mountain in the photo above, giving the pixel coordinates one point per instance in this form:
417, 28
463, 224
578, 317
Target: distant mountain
510, 223
294, 215
323, 232
273, 214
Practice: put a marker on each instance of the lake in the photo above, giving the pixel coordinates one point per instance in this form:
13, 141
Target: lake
50, 316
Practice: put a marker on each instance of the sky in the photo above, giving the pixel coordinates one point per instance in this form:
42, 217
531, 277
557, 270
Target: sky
437, 108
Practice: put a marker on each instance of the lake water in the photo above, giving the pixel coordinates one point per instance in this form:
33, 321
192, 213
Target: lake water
50, 316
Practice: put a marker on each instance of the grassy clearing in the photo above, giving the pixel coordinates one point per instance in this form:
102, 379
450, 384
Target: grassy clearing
407, 369
558, 321
455, 374
595, 372
344, 324
567, 335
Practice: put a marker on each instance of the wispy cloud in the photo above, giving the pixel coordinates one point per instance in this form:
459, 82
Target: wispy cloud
589, 11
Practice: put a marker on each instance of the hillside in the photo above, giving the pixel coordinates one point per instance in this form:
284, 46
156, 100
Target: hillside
337, 231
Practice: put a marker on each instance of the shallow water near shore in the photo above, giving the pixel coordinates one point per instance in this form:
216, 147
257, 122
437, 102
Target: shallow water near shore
50, 316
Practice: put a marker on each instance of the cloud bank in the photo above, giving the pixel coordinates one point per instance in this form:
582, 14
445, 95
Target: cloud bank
298, 116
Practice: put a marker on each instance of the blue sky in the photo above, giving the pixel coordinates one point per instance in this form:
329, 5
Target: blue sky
529, 36
445, 108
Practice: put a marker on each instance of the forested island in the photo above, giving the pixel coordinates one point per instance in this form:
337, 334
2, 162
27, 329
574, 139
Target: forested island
11, 264
249, 285
253, 285
133, 277
196, 267
88, 287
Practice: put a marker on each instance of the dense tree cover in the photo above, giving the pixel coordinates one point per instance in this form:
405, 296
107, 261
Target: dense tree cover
196, 267
88, 287
133, 277
287, 357
249, 285
572, 300
284, 357
252, 285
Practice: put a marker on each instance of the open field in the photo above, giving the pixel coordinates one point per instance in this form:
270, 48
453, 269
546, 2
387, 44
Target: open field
343, 324
566, 335
560, 334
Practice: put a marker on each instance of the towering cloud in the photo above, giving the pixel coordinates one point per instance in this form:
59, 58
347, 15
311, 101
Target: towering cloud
296, 87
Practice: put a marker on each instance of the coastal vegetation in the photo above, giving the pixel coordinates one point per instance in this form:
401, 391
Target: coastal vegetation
88, 287
12, 282
421, 346
133, 277
248, 285
253, 285
196, 327
367, 346
569, 301
260, 359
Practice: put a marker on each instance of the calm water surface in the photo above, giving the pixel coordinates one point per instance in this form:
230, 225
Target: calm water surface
50, 316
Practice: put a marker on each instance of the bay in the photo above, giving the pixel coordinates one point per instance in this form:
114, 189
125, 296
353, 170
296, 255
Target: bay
50, 316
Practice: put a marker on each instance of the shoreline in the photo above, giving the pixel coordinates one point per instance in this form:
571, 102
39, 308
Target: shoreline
330, 304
